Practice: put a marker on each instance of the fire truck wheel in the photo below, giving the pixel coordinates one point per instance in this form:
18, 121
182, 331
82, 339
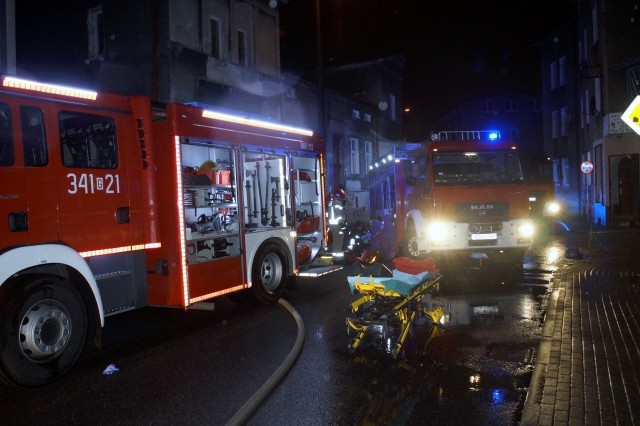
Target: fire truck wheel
44, 328
269, 273
410, 243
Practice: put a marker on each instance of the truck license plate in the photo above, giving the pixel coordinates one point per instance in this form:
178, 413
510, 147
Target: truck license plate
492, 236
478, 256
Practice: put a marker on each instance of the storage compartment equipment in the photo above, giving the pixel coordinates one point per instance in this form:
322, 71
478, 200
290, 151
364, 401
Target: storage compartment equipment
210, 203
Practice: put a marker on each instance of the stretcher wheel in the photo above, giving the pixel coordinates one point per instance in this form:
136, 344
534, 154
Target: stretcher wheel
397, 355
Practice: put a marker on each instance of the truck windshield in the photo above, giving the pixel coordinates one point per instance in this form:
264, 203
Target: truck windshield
476, 168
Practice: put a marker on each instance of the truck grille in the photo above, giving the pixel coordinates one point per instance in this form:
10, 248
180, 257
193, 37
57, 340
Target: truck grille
467, 212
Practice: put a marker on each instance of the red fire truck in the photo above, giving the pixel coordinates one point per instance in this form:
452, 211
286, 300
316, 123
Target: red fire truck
111, 205
544, 207
460, 198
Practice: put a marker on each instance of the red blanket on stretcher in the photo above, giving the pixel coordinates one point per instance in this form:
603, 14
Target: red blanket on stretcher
415, 267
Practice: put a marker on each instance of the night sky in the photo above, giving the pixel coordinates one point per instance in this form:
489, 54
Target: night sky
455, 50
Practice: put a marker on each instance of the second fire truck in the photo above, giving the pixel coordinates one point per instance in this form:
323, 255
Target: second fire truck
109, 205
461, 198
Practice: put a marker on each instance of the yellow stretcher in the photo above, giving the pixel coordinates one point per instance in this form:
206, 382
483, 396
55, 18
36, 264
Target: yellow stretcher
389, 307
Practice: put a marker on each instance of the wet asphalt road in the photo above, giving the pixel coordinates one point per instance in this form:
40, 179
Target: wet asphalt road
200, 367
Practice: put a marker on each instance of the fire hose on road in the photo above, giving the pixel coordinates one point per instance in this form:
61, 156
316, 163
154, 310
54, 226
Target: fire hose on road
245, 412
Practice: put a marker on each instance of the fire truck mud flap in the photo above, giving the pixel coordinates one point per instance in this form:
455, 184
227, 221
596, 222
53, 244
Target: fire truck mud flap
44, 328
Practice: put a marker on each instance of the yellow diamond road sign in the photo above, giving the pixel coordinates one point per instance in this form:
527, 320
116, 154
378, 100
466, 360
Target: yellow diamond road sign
632, 115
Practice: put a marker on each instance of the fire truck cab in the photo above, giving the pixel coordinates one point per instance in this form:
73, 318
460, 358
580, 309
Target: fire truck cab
544, 207
111, 205
462, 196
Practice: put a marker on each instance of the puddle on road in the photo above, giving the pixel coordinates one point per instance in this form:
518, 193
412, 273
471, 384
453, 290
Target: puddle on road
478, 372
438, 388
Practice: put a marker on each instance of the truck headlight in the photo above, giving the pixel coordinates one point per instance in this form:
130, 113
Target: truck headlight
552, 208
437, 232
526, 230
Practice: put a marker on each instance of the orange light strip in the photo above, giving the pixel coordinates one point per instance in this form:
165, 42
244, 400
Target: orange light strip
181, 233
19, 83
255, 123
218, 293
323, 203
123, 249
281, 188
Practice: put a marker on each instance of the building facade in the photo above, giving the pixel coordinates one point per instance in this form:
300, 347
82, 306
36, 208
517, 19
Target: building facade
224, 54
591, 71
363, 118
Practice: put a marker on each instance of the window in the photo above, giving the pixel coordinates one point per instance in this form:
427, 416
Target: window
562, 71
487, 106
557, 173
478, 168
214, 28
558, 73
564, 120
87, 141
367, 117
553, 75
355, 114
565, 172
355, 156
243, 58
587, 113
597, 97
580, 57
418, 169
511, 106
368, 154
394, 111
95, 31
535, 105
34, 141
633, 79
6, 137
555, 124
594, 22
581, 113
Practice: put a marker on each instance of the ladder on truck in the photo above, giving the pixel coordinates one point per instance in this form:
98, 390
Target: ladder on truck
467, 135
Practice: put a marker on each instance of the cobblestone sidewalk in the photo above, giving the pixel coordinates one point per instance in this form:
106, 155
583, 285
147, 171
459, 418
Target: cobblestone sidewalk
588, 364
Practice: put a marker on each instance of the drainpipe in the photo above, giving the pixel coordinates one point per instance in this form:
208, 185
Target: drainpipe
321, 118
8, 37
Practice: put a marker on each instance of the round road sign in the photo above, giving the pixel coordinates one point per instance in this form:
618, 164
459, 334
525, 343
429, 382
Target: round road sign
586, 167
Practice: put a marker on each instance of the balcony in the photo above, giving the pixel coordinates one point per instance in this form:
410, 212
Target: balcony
612, 124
